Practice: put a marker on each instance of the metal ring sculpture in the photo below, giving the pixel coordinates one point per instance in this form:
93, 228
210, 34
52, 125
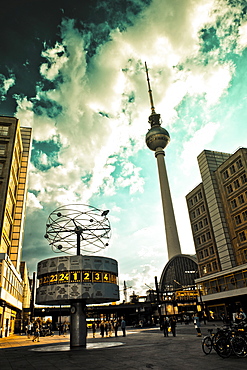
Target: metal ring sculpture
78, 226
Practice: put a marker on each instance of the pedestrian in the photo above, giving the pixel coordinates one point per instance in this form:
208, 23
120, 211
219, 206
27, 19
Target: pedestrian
240, 316
94, 329
116, 327
110, 329
36, 335
173, 323
166, 326
123, 327
102, 329
197, 325
106, 328
29, 330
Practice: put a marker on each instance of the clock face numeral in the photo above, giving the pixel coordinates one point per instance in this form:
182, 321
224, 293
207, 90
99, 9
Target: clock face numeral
106, 277
77, 277
97, 277
53, 278
63, 277
86, 276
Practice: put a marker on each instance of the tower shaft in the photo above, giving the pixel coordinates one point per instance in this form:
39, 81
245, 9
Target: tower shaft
173, 244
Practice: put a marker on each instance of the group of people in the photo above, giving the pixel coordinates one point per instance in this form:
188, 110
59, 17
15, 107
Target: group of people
169, 324
33, 330
107, 327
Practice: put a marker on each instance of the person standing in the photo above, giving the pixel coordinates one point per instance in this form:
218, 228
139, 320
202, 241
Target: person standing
166, 325
197, 324
29, 330
123, 327
94, 329
102, 329
173, 323
116, 327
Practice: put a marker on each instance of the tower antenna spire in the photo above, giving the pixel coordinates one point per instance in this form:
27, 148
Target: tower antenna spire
150, 91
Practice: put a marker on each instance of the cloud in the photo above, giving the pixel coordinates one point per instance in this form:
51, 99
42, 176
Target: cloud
5, 85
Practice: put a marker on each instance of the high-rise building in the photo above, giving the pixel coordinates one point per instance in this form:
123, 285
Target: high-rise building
15, 143
218, 216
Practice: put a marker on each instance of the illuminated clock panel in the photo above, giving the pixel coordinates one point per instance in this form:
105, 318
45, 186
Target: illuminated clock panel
64, 279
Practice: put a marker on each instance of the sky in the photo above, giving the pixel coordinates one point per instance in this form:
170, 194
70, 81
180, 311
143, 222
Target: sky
74, 71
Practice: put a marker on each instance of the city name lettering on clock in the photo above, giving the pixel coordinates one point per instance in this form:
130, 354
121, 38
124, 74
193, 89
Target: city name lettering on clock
77, 276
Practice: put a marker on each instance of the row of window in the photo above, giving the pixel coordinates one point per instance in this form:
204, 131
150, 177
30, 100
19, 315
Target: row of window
224, 283
4, 130
209, 267
236, 184
201, 224
195, 199
203, 238
238, 201
198, 211
205, 253
242, 217
232, 169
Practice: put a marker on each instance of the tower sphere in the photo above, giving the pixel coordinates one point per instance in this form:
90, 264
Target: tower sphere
157, 137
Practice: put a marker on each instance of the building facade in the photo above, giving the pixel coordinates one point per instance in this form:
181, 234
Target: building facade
15, 144
218, 216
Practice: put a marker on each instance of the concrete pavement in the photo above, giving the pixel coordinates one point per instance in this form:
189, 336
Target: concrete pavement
145, 348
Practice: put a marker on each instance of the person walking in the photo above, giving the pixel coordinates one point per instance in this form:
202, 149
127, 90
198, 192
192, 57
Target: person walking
36, 334
173, 323
123, 327
197, 325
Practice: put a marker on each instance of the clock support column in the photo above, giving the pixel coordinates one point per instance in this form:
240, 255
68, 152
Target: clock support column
78, 324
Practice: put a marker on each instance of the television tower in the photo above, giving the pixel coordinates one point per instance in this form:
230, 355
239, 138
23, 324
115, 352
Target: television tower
157, 138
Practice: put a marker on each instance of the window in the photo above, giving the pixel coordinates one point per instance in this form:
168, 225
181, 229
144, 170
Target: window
193, 214
233, 203
244, 215
203, 237
245, 254
242, 236
195, 199
225, 175
214, 265
241, 199
239, 163
232, 169
195, 227
236, 184
211, 250
2, 149
198, 212
205, 221
229, 189
208, 235
200, 195
198, 241
200, 225
243, 178
238, 220
201, 255
206, 252
202, 208
4, 130
209, 269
